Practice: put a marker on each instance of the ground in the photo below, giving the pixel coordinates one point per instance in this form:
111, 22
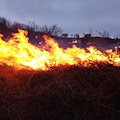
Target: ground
61, 93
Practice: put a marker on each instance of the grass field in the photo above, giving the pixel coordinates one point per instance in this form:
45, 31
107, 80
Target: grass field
61, 93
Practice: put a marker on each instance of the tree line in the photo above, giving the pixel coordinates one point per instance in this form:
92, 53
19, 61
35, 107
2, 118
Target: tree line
7, 25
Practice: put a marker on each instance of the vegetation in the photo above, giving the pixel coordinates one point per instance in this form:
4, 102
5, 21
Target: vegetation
8, 26
53, 30
104, 34
61, 93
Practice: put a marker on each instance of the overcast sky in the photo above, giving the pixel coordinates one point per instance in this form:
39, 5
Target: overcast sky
73, 16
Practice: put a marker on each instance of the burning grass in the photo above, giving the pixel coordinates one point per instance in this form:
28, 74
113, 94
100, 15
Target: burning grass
18, 52
61, 93
52, 83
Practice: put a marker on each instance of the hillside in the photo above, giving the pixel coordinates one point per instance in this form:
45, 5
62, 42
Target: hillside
46, 80
101, 43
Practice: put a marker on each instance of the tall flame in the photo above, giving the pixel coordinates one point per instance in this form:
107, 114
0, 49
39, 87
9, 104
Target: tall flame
19, 52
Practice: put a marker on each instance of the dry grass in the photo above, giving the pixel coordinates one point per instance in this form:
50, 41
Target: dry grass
62, 93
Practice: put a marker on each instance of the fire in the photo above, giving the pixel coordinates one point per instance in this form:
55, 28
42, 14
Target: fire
74, 41
20, 53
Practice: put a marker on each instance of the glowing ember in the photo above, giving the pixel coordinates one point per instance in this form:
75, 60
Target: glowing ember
21, 54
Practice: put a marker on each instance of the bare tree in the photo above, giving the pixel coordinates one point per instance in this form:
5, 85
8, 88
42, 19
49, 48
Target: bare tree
53, 30
65, 35
104, 34
32, 25
5, 23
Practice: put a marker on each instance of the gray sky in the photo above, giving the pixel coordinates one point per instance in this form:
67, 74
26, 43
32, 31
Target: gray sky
73, 16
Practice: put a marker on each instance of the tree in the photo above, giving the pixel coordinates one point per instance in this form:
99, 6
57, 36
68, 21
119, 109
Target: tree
4, 24
53, 30
104, 34
76, 35
32, 26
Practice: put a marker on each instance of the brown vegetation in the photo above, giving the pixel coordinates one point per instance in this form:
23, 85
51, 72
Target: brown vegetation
62, 93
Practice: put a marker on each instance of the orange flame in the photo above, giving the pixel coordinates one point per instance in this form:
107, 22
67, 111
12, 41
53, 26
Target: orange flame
74, 41
19, 52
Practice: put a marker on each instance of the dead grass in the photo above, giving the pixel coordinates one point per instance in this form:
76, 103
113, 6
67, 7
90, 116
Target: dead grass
62, 93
